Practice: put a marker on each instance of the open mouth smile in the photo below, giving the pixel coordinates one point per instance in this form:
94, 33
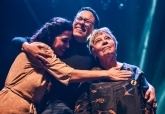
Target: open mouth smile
80, 29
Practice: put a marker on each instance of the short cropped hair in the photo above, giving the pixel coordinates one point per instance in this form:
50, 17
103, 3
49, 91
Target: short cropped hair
97, 20
100, 31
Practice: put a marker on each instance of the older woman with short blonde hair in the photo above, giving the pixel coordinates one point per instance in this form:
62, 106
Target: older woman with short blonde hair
111, 97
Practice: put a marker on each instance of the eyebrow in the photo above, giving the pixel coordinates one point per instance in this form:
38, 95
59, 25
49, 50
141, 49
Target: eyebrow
84, 18
104, 37
97, 39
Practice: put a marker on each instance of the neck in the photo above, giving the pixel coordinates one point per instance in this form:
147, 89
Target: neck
108, 62
81, 40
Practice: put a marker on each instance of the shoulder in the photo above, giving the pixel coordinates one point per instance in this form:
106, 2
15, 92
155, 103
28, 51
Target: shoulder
132, 68
22, 56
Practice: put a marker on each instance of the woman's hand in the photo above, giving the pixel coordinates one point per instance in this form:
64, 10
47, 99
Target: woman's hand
150, 93
35, 52
116, 74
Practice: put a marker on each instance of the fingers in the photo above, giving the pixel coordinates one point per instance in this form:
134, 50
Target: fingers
42, 59
117, 68
154, 100
44, 54
154, 103
120, 79
126, 72
150, 99
42, 46
39, 45
147, 94
125, 76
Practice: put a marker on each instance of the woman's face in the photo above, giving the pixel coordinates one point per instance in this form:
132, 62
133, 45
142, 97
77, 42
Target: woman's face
61, 43
104, 45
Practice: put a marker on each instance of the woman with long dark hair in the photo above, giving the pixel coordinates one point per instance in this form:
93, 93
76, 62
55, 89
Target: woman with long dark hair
27, 80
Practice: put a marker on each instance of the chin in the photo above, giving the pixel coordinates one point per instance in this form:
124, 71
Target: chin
60, 54
78, 35
108, 54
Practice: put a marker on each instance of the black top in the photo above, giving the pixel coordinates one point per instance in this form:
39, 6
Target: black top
77, 56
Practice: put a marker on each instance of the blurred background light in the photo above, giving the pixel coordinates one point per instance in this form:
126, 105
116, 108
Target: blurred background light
138, 25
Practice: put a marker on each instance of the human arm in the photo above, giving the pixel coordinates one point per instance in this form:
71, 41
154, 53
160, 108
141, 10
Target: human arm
150, 95
18, 41
150, 104
87, 75
64, 72
60, 69
33, 50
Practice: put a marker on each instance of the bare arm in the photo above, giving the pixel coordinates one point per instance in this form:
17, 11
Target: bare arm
88, 75
77, 75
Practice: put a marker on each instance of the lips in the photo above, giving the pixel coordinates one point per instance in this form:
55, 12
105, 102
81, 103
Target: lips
80, 27
107, 47
63, 50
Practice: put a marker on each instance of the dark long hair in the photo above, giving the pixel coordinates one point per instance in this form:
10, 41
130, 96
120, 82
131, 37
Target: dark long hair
50, 30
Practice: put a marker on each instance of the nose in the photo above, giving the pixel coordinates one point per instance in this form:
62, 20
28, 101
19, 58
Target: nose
105, 42
81, 22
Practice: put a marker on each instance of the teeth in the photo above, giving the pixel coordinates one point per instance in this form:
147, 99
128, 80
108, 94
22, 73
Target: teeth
79, 29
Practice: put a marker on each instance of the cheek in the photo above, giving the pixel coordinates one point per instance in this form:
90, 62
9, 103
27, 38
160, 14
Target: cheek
98, 51
74, 24
60, 44
57, 44
90, 30
113, 45
98, 47
54, 44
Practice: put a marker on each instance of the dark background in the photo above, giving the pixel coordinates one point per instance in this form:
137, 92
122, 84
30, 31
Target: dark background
139, 26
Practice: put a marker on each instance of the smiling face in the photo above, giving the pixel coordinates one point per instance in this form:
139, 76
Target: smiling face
83, 25
103, 45
61, 42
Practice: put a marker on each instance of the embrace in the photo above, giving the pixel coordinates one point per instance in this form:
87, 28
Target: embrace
57, 74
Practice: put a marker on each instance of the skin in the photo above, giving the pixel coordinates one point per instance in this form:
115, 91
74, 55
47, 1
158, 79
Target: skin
104, 49
80, 30
61, 43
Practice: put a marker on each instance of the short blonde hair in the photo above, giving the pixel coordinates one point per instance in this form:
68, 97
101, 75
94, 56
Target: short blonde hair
98, 32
